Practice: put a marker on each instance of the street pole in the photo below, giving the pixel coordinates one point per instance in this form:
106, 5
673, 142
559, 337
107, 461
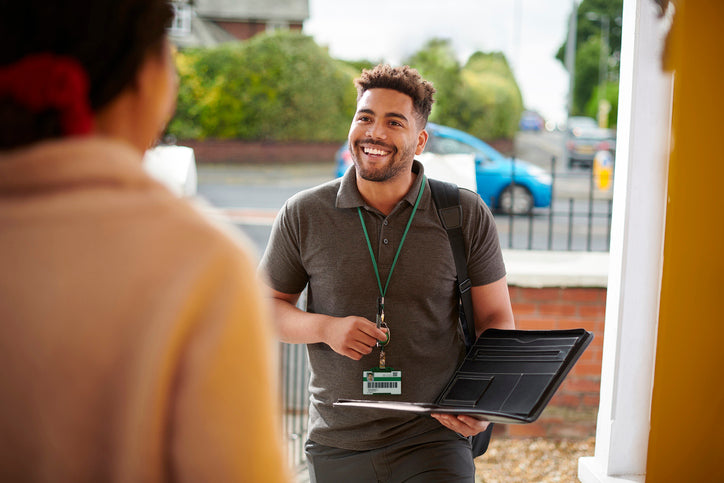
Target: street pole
571, 55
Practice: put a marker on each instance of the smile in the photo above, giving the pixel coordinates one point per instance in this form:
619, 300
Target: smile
374, 151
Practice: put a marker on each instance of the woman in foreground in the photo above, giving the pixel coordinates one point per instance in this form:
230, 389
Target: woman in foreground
133, 342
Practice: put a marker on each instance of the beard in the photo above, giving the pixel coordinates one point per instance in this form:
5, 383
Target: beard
399, 161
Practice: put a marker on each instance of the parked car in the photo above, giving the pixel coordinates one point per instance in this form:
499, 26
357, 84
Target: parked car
173, 166
579, 122
505, 184
582, 144
531, 121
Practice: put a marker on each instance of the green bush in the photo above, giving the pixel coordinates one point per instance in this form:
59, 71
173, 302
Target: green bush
494, 104
273, 87
282, 86
611, 95
587, 63
481, 98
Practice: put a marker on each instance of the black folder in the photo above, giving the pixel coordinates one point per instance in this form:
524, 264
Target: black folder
508, 376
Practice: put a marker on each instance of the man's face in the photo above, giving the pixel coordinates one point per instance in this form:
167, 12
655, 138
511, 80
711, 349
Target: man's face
384, 136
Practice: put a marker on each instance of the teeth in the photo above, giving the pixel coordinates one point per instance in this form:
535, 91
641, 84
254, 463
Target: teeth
375, 151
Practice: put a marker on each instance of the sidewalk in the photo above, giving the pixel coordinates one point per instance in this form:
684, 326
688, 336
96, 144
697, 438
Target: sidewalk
538, 269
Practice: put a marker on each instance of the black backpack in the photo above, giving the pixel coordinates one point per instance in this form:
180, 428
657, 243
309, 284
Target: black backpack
447, 200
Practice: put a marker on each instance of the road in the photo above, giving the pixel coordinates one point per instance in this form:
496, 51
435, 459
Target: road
250, 196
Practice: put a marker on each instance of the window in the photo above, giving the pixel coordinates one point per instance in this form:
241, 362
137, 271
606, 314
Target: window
181, 24
443, 145
274, 25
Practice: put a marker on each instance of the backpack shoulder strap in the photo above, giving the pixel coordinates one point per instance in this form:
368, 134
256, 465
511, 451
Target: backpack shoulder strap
447, 200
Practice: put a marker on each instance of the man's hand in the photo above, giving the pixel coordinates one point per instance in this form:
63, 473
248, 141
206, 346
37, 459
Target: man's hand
463, 425
353, 337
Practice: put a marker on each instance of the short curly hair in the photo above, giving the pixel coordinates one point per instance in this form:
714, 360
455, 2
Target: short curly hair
401, 79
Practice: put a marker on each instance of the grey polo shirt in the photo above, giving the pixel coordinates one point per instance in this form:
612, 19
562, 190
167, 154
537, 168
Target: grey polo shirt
317, 241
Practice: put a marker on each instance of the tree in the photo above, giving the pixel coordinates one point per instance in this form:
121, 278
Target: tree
610, 94
587, 64
481, 97
282, 86
437, 63
588, 33
279, 86
493, 102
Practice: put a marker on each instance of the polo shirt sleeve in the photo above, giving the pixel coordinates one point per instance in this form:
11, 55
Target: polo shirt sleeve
485, 259
282, 261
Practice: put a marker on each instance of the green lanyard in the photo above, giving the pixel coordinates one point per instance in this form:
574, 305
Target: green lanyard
394, 261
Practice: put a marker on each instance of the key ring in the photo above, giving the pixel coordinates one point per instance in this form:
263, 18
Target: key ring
387, 341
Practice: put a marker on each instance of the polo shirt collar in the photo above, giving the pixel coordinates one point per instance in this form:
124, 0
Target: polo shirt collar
348, 196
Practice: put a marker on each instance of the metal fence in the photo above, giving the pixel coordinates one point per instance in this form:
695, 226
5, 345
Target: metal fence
578, 218
295, 396
295, 400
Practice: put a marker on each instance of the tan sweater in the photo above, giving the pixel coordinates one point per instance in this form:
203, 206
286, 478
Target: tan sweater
134, 342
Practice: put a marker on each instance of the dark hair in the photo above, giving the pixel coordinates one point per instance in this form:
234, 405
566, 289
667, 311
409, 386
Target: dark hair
402, 79
110, 39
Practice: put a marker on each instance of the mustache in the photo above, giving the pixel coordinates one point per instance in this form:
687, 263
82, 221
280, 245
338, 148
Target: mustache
372, 142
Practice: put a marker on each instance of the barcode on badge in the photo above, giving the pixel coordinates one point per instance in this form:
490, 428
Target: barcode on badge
388, 382
383, 385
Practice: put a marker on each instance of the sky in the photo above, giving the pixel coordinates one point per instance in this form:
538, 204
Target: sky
529, 32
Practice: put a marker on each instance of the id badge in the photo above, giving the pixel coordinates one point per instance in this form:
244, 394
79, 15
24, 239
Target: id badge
382, 381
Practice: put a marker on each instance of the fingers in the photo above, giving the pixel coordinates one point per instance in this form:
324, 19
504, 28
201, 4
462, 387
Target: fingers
365, 343
371, 330
463, 425
355, 337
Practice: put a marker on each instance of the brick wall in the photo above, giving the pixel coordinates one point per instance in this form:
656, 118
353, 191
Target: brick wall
572, 411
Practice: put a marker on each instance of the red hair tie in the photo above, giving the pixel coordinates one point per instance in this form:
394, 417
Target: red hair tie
46, 81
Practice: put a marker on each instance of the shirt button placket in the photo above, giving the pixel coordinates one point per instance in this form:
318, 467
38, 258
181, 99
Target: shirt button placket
385, 245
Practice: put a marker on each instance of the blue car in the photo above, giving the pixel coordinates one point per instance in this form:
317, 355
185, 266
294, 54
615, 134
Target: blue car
531, 121
506, 185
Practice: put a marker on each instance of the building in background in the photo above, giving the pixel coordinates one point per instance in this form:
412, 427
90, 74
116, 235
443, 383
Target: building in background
203, 23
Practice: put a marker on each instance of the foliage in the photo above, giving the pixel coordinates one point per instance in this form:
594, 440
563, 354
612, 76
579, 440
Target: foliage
588, 32
359, 65
436, 62
481, 97
611, 95
587, 79
283, 87
277, 87
587, 27
493, 83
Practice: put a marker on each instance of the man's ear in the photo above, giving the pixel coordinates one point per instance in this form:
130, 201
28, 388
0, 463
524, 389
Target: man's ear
421, 141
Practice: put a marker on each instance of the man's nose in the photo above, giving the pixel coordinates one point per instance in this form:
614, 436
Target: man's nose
376, 131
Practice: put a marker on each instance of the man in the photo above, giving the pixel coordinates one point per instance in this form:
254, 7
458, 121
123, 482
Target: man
371, 247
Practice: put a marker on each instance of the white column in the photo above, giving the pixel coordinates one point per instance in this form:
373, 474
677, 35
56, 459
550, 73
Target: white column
637, 234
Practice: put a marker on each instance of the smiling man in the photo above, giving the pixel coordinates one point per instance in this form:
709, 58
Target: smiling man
382, 307
385, 117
